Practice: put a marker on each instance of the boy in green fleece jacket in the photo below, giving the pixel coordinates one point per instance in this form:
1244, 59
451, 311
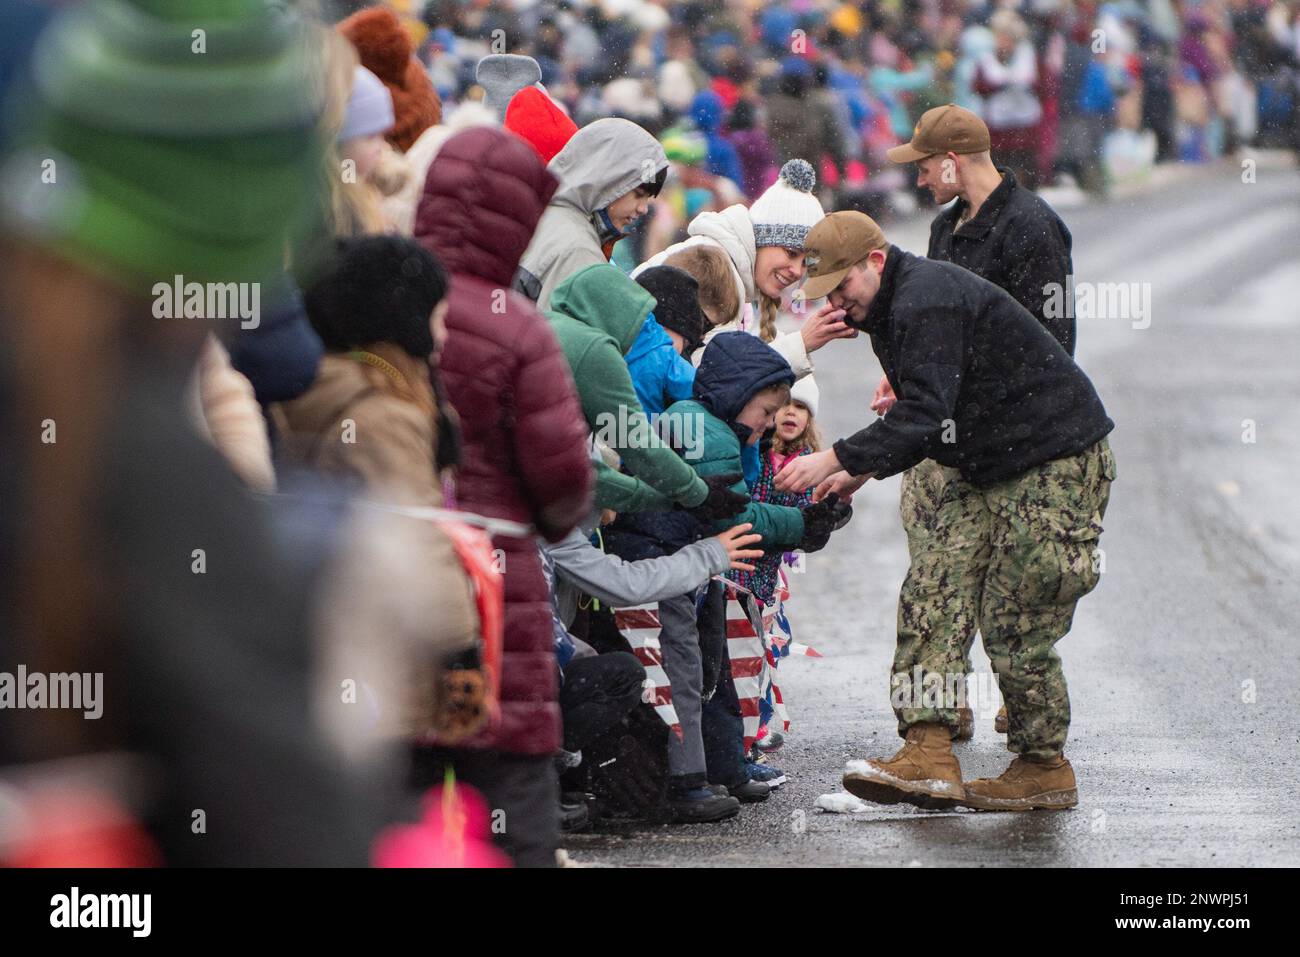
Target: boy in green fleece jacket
597, 314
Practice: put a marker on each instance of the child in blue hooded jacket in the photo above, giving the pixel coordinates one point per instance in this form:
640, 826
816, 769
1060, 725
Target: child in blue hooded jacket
658, 360
740, 386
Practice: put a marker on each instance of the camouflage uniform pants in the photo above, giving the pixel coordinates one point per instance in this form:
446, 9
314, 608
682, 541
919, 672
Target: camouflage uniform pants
1012, 560
922, 492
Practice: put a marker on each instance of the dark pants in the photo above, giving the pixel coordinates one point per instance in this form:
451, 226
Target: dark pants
598, 692
651, 535
522, 793
724, 730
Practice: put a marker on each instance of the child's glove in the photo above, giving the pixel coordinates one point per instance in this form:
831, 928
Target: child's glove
721, 502
828, 515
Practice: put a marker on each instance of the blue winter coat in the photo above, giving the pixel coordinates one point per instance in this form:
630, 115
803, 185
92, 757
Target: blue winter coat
660, 376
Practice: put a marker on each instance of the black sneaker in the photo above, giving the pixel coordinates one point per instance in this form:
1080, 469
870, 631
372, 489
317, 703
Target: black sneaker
574, 815
702, 805
751, 792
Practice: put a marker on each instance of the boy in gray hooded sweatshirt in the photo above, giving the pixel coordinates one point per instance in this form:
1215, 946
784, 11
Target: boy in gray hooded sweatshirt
575, 567
608, 172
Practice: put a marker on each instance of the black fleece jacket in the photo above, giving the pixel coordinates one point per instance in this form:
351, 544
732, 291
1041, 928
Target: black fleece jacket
981, 385
1015, 241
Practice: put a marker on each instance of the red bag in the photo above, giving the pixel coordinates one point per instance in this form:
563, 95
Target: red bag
474, 548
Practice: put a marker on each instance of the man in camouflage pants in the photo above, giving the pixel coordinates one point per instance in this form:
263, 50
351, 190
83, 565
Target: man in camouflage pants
999, 230
1011, 560
1005, 532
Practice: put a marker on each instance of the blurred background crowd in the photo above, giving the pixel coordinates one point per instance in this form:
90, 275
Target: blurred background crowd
1078, 94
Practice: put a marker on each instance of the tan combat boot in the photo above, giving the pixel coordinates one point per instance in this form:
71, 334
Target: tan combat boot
965, 725
1000, 724
924, 773
1025, 786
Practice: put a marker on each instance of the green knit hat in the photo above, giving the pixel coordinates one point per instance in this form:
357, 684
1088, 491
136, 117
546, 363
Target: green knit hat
182, 134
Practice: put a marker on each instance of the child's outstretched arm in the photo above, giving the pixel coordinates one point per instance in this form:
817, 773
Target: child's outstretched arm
779, 525
620, 584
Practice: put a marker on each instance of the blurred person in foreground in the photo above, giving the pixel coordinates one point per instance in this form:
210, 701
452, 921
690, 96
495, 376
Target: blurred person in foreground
132, 549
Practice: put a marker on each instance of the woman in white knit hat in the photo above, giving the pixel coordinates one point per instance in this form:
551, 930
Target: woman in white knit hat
765, 246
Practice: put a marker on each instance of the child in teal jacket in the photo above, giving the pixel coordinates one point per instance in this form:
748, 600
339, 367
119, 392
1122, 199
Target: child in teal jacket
740, 386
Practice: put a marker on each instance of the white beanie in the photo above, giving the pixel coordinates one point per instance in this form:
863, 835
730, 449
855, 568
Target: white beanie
806, 391
786, 211
370, 107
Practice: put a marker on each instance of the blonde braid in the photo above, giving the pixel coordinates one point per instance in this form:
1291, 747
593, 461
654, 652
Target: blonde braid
767, 310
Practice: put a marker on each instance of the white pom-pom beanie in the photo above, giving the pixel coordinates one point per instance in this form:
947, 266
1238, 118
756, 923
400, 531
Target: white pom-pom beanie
786, 211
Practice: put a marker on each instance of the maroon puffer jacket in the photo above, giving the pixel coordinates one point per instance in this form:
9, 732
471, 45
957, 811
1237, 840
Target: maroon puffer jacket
525, 439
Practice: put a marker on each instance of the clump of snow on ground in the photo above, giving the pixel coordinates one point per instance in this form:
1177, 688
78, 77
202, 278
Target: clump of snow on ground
842, 803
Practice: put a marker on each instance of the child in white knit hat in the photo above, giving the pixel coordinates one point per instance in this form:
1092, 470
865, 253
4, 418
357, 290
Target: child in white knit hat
796, 435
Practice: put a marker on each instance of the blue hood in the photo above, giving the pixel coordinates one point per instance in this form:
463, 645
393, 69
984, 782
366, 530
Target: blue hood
707, 111
735, 367
777, 24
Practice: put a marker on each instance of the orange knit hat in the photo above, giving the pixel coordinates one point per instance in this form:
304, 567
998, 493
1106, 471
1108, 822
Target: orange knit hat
385, 50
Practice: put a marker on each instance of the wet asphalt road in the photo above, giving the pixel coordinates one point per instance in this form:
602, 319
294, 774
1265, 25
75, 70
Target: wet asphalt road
1183, 665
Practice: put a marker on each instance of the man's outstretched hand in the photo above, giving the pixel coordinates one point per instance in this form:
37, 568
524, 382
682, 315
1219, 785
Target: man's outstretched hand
806, 471
841, 484
884, 398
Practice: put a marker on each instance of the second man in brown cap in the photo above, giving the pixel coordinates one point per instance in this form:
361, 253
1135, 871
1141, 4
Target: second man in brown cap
997, 229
